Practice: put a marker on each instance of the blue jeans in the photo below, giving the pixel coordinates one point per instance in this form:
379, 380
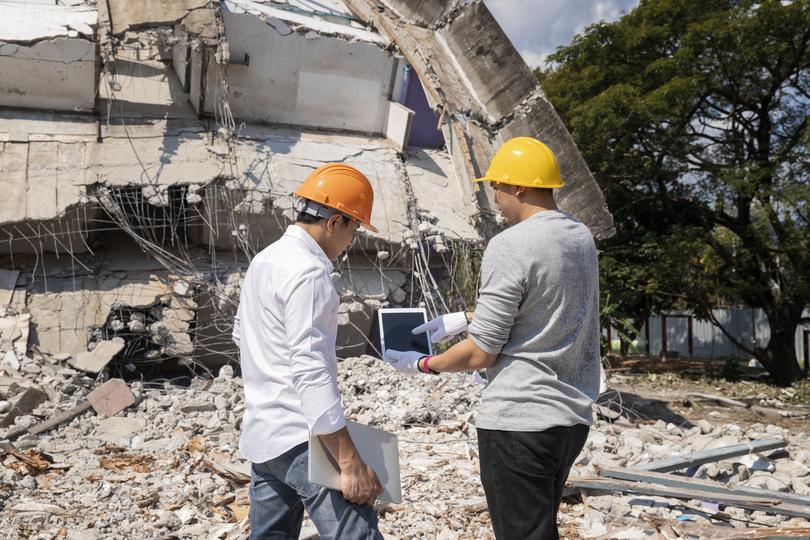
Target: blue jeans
279, 493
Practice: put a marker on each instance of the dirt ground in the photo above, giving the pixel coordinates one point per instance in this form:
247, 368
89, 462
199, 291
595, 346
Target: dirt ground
674, 384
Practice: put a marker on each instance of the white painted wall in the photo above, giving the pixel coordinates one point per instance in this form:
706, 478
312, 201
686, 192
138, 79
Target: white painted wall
57, 74
306, 80
398, 124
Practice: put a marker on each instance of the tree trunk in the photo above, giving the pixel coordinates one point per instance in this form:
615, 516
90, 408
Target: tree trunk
624, 346
779, 357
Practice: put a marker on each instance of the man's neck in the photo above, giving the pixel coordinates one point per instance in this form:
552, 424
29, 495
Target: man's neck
316, 231
528, 210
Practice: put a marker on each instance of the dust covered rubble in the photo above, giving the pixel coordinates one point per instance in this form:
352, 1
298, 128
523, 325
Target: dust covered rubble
169, 465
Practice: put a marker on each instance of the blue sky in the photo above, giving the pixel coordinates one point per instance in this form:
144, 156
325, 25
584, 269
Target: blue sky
538, 27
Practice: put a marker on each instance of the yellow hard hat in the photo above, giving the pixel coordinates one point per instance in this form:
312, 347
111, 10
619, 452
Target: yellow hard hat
524, 161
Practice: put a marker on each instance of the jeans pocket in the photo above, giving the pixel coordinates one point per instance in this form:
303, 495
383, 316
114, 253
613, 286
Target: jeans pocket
297, 476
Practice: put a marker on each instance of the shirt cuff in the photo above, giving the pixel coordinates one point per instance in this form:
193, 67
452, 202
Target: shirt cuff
327, 420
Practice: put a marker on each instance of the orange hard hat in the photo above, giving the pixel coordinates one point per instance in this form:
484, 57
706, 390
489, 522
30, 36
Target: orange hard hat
343, 188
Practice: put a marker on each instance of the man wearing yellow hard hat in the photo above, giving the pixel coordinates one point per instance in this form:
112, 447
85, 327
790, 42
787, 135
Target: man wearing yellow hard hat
536, 331
286, 328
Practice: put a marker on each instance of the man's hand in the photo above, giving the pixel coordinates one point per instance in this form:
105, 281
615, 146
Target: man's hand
403, 361
358, 482
444, 327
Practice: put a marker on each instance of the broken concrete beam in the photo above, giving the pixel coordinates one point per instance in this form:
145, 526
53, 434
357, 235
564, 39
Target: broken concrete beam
581, 195
710, 456
765, 504
422, 12
127, 15
23, 404
686, 482
97, 359
497, 74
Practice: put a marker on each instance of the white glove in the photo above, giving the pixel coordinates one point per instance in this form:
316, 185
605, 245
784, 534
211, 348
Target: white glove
406, 362
444, 327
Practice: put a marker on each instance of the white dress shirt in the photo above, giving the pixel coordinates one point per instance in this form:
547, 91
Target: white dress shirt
286, 327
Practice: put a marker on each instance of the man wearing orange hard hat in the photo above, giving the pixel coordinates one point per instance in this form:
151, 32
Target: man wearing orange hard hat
536, 331
286, 328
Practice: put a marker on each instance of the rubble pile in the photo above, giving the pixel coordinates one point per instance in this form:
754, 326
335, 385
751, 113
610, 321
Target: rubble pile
168, 466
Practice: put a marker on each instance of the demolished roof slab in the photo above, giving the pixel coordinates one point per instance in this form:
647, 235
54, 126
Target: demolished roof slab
287, 20
47, 178
474, 77
29, 22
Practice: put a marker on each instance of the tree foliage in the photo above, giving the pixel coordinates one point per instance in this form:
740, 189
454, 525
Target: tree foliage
693, 115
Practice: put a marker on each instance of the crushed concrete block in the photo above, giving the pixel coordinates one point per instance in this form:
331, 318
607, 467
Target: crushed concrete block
120, 427
198, 406
23, 404
94, 361
10, 362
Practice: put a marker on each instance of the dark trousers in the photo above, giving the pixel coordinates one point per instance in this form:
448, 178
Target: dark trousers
523, 473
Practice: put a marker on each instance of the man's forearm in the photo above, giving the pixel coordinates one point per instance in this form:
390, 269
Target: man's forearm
464, 356
342, 448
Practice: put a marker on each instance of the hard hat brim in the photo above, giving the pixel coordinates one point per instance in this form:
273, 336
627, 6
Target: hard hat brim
485, 179
369, 226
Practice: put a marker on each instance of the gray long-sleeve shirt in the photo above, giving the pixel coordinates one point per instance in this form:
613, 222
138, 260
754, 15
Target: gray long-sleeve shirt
538, 309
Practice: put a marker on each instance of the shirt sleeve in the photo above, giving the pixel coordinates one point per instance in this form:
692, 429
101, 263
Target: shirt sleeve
310, 322
499, 298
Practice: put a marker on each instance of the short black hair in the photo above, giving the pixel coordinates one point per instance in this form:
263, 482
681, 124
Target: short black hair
305, 218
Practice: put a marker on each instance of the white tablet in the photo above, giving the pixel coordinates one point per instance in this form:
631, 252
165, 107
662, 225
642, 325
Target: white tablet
395, 330
377, 448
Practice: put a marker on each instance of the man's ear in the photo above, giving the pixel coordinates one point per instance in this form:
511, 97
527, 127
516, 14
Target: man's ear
332, 222
519, 191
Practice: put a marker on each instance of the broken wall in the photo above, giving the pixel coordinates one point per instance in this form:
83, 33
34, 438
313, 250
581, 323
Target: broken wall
51, 54
304, 77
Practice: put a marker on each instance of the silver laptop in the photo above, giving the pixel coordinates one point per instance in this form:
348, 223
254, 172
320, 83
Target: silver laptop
377, 448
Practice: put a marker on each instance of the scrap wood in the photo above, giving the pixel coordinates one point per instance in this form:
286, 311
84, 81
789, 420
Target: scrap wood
687, 482
719, 399
768, 505
108, 399
739, 404
709, 456
140, 463
29, 462
767, 532
229, 471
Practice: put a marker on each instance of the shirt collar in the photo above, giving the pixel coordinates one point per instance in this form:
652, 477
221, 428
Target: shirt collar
312, 246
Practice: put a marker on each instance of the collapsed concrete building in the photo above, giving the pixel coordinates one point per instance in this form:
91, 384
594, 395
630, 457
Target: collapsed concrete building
149, 149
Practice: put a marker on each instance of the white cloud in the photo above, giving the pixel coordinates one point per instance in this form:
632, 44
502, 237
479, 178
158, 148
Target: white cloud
538, 27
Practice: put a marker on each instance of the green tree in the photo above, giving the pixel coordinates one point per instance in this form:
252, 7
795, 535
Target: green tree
693, 115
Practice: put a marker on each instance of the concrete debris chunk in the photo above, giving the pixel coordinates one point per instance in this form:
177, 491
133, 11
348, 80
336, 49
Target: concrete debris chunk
23, 404
97, 359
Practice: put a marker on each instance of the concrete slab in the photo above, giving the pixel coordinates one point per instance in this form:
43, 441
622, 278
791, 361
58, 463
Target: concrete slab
111, 398
126, 15
94, 361
22, 22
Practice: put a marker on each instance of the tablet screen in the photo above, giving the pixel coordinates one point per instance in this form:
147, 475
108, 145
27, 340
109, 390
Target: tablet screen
396, 331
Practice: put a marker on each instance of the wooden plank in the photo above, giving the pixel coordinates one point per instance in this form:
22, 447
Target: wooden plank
719, 399
770, 506
109, 399
710, 456
685, 482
